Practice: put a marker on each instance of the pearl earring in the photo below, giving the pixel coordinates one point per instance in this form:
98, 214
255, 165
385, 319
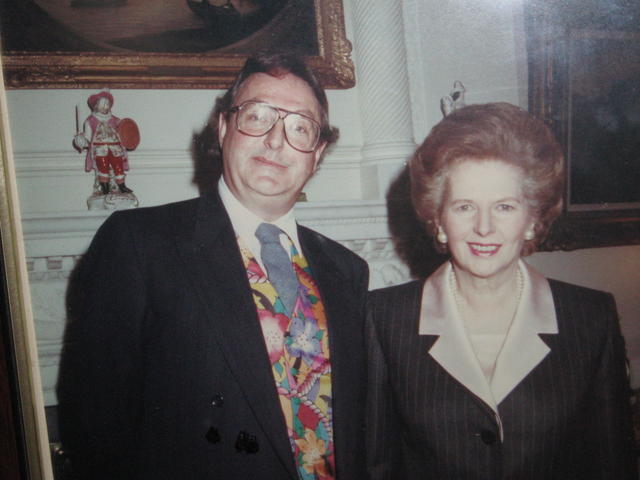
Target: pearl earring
441, 236
528, 235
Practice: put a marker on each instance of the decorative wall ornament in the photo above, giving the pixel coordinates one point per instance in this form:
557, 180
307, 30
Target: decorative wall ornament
107, 140
455, 100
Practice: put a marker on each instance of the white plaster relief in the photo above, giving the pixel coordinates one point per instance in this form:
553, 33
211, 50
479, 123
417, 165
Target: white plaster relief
48, 303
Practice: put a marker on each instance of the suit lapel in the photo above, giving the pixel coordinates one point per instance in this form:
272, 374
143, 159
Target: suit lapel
214, 265
524, 349
452, 350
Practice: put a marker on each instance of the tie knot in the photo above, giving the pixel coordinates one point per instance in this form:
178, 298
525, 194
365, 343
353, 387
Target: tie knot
268, 233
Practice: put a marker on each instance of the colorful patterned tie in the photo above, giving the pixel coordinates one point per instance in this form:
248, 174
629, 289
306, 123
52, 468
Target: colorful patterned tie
278, 265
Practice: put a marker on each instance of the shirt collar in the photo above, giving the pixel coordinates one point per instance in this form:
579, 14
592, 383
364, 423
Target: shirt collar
438, 304
245, 222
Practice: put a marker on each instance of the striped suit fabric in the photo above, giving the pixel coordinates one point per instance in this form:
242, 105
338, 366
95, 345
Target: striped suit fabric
567, 419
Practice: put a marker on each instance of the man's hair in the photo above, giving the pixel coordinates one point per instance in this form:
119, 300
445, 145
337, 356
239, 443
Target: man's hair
206, 144
493, 131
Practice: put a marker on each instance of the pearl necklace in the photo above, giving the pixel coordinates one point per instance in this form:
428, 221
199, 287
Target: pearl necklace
453, 285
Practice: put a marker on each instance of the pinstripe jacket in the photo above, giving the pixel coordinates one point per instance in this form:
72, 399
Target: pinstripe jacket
557, 408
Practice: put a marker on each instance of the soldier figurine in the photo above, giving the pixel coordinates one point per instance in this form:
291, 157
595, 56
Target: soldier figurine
102, 140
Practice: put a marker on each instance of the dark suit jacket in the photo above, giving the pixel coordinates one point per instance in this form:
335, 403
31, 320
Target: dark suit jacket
567, 419
164, 363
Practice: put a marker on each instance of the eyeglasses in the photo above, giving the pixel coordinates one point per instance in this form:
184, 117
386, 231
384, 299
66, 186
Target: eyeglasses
257, 119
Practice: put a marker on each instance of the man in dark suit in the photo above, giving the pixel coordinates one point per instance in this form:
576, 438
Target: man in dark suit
216, 338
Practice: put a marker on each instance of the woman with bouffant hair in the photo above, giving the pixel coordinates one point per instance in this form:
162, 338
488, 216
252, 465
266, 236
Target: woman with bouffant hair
480, 132
487, 369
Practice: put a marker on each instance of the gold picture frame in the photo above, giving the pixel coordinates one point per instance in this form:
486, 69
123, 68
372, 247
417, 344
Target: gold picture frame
95, 69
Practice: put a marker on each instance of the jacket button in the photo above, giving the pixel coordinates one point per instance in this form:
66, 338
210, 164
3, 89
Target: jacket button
212, 436
247, 443
252, 445
488, 437
217, 400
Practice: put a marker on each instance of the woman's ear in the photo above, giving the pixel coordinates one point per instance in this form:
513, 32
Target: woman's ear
441, 236
530, 233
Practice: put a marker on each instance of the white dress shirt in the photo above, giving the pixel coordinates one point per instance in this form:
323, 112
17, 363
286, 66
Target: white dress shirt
245, 223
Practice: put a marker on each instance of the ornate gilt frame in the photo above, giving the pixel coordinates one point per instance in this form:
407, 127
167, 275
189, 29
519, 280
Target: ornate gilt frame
333, 64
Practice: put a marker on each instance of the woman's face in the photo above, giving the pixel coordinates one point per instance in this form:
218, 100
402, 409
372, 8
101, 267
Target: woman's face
485, 217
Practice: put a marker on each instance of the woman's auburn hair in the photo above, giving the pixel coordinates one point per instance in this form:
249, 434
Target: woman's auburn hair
492, 131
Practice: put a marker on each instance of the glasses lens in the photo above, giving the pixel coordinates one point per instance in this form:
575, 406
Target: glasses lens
256, 118
302, 132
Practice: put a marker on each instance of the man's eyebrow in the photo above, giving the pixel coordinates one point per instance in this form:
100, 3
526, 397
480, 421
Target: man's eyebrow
302, 111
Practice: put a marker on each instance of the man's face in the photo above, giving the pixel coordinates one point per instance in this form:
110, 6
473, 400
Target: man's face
103, 105
265, 173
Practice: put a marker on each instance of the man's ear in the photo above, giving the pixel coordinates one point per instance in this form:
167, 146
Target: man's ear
317, 155
222, 128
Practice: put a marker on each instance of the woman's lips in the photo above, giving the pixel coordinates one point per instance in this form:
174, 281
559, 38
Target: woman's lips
484, 249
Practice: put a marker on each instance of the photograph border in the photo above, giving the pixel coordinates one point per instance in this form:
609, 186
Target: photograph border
30, 428
332, 65
548, 43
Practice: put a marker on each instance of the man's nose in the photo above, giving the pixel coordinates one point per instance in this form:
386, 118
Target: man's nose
274, 139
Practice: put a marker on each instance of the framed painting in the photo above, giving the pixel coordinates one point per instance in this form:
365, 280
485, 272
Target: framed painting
160, 44
584, 81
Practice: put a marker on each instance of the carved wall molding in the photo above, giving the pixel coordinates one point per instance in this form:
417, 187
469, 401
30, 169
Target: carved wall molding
54, 267
59, 267
172, 162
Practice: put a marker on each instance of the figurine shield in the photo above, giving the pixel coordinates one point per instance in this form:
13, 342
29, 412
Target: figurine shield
129, 133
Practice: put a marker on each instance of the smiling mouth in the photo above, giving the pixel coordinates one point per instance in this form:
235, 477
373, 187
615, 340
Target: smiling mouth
484, 249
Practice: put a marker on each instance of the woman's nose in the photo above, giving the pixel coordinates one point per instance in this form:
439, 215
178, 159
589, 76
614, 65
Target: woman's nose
484, 223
